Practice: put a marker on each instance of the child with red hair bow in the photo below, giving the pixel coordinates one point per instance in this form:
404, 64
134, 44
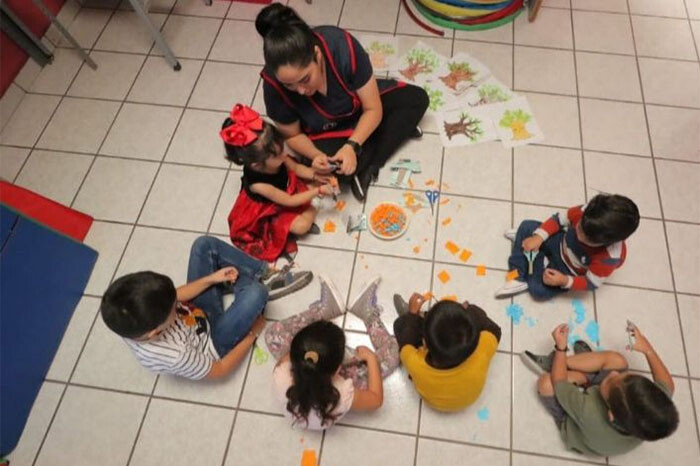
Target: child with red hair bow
273, 201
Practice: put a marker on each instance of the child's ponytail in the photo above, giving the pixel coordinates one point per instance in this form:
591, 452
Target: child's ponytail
316, 354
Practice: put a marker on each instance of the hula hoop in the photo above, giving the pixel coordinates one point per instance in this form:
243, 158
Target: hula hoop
453, 11
515, 5
419, 22
497, 5
466, 27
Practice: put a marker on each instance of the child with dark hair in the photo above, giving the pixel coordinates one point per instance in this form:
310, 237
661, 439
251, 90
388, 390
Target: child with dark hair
577, 252
446, 353
274, 201
186, 331
316, 378
599, 407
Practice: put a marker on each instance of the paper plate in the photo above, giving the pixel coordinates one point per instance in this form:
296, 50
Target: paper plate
388, 228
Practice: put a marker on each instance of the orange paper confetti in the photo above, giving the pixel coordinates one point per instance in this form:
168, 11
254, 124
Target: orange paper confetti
444, 276
481, 270
329, 227
428, 296
410, 183
447, 221
416, 249
512, 275
449, 297
308, 458
465, 255
339, 206
429, 182
445, 201
452, 247
333, 181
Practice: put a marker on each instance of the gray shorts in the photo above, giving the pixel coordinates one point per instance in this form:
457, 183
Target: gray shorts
553, 406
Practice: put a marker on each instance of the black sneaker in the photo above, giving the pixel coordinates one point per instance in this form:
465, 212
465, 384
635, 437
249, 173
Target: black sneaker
360, 183
400, 305
286, 282
417, 133
537, 363
314, 230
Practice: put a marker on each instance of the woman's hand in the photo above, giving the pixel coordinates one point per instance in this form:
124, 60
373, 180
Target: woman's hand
346, 156
226, 274
322, 178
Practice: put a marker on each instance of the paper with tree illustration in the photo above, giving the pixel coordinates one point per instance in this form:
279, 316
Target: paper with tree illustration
383, 51
515, 123
490, 91
419, 64
465, 127
462, 73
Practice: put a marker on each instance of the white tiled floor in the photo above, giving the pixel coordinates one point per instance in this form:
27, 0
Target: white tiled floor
615, 85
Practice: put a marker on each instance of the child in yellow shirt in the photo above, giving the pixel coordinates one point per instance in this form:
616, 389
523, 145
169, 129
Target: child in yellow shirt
447, 353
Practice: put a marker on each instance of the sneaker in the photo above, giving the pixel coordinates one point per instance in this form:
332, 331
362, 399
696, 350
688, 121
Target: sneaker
286, 282
331, 302
360, 183
537, 363
365, 304
314, 230
400, 305
581, 346
511, 288
417, 133
510, 234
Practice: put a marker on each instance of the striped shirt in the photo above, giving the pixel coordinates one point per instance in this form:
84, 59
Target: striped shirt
184, 348
590, 266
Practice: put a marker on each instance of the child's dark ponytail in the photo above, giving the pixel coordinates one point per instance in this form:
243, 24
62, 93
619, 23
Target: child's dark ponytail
316, 353
287, 38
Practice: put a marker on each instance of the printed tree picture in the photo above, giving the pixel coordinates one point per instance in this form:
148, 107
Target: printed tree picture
467, 126
491, 94
515, 120
379, 52
436, 98
419, 61
459, 72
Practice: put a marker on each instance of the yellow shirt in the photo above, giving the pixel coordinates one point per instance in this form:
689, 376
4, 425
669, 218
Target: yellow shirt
450, 389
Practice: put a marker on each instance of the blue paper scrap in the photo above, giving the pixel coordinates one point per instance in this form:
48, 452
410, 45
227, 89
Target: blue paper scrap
515, 312
579, 310
483, 414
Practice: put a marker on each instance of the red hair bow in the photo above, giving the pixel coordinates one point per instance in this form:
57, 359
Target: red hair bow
245, 122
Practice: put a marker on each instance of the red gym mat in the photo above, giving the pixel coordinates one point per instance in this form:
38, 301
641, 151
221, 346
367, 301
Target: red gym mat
45, 211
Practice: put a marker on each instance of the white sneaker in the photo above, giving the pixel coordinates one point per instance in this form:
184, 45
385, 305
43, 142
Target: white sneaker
510, 234
511, 288
332, 303
365, 303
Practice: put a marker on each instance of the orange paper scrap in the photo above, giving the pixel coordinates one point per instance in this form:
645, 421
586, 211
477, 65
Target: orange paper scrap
308, 458
445, 201
428, 296
410, 183
481, 270
339, 206
465, 255
452, 247
447, 221
416, 249
449, 297
444, 276
429, 182
512, 275
329, 227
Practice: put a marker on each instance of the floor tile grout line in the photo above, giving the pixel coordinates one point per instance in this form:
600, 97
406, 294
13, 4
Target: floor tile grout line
668, 246
238, 406
692, 31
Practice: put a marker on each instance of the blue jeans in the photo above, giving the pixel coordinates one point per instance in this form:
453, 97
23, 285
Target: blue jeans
228, 326
550, 249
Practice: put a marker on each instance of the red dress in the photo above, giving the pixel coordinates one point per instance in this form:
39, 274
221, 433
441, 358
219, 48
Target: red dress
257, 225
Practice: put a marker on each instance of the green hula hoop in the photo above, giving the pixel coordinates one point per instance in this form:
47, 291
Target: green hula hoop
465, 27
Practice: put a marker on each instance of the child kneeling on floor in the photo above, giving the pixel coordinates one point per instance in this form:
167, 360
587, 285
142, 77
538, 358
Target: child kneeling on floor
273, 201
316, 379
616, 410
447, 354
577, 252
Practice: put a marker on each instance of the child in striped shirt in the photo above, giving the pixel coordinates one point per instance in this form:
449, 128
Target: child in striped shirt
576, 252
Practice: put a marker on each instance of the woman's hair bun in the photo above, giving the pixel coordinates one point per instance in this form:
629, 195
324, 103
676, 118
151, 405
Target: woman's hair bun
273, 16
